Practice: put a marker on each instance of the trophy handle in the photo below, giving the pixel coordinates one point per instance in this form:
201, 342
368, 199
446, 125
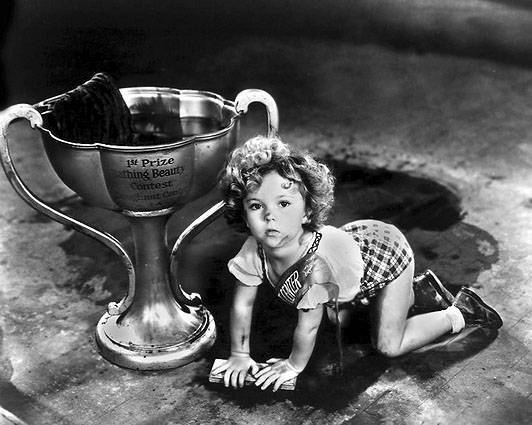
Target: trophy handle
193, 299
29, 113
245, 97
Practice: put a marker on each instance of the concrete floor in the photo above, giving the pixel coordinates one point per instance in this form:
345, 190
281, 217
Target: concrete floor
433, 136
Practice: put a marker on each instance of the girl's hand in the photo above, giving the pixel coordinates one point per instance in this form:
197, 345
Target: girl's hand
278, 371
236, 368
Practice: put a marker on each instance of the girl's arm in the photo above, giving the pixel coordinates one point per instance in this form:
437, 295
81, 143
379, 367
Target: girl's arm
240, 318
305, 337
240, 362
281, 370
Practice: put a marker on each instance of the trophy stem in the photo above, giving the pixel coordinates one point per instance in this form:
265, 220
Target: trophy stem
151, 258
156, 331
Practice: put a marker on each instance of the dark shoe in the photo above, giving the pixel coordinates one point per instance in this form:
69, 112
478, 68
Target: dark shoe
475, 311
430, 294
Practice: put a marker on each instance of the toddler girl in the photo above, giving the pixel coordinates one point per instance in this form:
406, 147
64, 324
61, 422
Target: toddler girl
282, 196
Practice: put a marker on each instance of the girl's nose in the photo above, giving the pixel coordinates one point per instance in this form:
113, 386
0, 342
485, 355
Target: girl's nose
268, 216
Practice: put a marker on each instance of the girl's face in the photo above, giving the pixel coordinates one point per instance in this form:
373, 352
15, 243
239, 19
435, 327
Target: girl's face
275, 212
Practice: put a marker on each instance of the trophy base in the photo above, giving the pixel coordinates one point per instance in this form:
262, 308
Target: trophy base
152, 356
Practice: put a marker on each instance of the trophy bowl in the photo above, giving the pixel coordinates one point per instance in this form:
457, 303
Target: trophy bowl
156, 325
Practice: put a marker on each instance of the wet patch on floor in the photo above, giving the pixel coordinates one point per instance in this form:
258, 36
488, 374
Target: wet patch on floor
399, 198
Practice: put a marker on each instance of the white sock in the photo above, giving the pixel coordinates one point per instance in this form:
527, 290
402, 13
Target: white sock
456, 318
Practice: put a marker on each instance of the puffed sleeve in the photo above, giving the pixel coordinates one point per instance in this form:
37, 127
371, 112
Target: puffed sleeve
322, 289
246, 265
318, 294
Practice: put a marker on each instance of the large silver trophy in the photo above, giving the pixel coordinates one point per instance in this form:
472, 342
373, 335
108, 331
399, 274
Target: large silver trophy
156, 325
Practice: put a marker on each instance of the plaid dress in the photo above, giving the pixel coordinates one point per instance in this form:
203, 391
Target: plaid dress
385, 253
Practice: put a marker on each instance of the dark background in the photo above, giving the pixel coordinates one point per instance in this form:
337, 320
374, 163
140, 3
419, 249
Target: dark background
50, 45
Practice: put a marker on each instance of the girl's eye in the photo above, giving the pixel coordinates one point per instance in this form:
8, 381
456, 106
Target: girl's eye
284, 203
254, 206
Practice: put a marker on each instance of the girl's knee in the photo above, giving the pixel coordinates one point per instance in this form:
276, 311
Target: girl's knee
388, 347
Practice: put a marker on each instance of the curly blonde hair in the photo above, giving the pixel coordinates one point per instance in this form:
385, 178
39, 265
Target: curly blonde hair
249, 163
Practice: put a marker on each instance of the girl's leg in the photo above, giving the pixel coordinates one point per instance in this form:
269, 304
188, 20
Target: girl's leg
393, 334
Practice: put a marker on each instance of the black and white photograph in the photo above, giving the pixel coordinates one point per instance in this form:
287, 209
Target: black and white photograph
266, 212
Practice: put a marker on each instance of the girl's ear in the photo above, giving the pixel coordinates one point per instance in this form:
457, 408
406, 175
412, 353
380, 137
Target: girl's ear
306, 218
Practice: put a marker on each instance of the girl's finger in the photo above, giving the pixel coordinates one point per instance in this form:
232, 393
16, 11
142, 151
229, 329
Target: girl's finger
260, 380
234, 379
263, 377
268, 381
227, 377
278, 382
272, 361
263, 371
241, 378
